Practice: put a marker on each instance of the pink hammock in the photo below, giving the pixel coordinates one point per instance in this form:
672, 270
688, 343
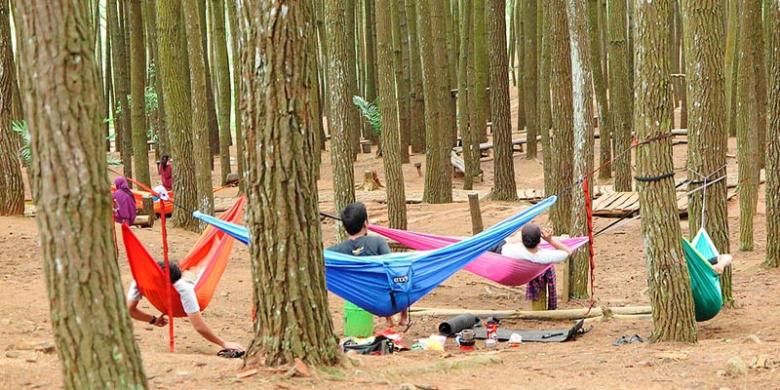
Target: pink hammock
500, 269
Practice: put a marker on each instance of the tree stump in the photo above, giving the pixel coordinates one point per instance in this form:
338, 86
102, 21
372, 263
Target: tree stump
371, 181
476, 214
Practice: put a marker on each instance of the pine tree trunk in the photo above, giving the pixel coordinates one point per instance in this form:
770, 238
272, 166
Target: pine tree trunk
620, 93
465, 75
110, 103
747, 122
481, 70
370, 63
668, 279
122, 113
137, 90
92, 329
405, 86
600, 89
561, 96
530, 72
213, 123
291, 321
582, 91
232, 15
11, 183
173, 49
545, 116
222, 75
438, 176
341, 122
417, 109
759, 82
398, 16
504, 187
707, 131
391, 135
773, 136
163, 141
518, 43
732, 55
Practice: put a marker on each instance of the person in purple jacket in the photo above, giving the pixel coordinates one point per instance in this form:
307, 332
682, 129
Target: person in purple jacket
124, 202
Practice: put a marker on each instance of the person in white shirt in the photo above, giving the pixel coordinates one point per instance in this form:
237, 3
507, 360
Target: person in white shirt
189, 301
532, 235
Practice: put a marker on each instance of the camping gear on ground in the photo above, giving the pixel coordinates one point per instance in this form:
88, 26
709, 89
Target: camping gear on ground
230, 353
515, 339
542, 336
387, 284
500, 269
379, 345
466, 340
628, 340
705, 281
433, 343
491, 328
357, 322
209, 256
458, 323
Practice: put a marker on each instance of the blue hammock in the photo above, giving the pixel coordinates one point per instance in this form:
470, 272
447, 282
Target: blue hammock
387, 284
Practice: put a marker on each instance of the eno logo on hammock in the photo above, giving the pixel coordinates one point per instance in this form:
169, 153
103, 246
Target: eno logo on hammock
401, 279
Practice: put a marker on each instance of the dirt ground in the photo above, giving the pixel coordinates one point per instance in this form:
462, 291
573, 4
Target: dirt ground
746, 332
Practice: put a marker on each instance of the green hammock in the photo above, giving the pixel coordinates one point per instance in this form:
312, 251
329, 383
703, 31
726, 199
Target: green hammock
705, 281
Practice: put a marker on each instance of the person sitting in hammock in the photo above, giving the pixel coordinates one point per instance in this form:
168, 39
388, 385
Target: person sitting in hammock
124, 202
189, 301
531, 236
720, 262
354, 217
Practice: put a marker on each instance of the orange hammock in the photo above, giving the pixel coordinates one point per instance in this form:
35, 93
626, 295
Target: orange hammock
159, 207
208, 259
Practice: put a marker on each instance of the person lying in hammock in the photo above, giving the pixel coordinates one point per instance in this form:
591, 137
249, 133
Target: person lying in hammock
354, 217
189, 301
531, 236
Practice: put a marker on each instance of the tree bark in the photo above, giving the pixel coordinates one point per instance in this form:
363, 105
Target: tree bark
582, 92
341, 122
92, 330
222, 75
391, 134
668, 279
417, 109
370, 63
759, 83
438, 177
11, 183
517, 42
600, 89
210, 106
465, 75
773, 136
620, 93
400, 40
504, 187
707, 129
163, 141
530, 72
545, 116
122, 124
234, 49
173, 49
748, 116
481, 70
290, 301
137, 90
561, 134
732, 55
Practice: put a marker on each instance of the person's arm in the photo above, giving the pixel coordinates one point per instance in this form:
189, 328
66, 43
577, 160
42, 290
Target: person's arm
200, 326
547, 236
140, 315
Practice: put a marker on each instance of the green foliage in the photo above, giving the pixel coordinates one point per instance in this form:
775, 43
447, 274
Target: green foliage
369, 111
25, 152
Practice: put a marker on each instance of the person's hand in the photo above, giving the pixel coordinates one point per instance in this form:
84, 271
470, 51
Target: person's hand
547, 233
161, 321
232, 345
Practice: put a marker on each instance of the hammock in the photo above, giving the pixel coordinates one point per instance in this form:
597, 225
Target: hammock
159, 207
705, 281
501, 269
209, 258
387, 284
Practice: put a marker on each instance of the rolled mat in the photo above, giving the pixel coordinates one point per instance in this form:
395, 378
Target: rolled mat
457, 323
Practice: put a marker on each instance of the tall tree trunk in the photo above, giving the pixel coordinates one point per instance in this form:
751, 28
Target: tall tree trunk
504, 187
222, 75
234, 34
465, 75
173, 48
545, 115
391, 135
759, 83
438, 176
286, 250
481, 70
398, 16
530, 72
150, 16
562, 123
582, 91
707, 131
600, 88
211, 105
341, 122
732, 55
668, 279
92, 330
122, 127
417, 109
370, 62
11, 183
773, 136
620, 93
137, 91
748, 108
110, 103
518, 43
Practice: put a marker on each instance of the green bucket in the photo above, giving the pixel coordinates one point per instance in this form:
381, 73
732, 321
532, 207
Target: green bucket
357, 322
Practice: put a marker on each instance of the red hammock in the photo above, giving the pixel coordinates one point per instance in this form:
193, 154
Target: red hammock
211, 253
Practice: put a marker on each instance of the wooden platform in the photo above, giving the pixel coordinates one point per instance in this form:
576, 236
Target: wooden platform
489, 145
626, 204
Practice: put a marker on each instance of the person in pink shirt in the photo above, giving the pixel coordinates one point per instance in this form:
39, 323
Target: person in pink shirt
165, 169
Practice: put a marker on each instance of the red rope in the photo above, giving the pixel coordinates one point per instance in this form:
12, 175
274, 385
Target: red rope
591, 252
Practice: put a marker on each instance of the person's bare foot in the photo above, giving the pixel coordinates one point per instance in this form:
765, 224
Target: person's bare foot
718, 268
389, 322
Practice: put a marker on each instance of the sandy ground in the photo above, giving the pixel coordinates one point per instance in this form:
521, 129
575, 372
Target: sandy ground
746, 332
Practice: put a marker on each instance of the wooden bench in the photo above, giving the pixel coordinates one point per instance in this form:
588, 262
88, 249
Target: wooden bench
459, 165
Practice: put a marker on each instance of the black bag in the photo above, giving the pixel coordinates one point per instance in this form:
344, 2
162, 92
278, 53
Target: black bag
381, 345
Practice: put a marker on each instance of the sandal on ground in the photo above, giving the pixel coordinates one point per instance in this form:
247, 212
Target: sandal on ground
231, 353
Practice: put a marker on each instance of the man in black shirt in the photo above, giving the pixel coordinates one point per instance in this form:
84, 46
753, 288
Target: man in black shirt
354, 217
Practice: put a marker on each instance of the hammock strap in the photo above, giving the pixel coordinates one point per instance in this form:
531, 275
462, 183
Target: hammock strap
591, 252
